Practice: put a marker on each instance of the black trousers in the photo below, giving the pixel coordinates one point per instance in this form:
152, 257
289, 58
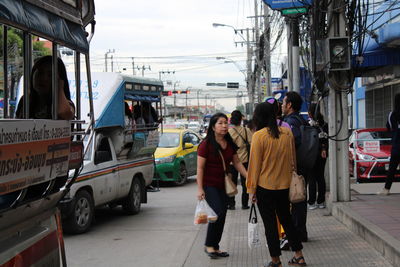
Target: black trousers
317, 180
272, 203
299, 212
216, 199
245, 196
394, 162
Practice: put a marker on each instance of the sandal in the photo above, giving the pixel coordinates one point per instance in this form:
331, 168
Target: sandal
272, 264
222, 254
296, 261
213, 255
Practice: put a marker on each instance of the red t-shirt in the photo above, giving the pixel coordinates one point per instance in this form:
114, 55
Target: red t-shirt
214, 170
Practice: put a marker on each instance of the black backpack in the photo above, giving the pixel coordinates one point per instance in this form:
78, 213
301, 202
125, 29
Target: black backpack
308, 149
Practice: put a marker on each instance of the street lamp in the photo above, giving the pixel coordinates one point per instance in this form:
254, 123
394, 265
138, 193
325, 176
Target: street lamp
228, 60
240, 32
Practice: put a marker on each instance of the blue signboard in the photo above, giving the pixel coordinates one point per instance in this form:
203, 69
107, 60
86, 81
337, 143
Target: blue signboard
284, 4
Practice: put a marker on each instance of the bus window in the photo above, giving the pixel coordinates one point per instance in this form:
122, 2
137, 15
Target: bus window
9, 79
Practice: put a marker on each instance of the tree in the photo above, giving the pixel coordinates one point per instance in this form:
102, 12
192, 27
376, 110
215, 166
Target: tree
39, 50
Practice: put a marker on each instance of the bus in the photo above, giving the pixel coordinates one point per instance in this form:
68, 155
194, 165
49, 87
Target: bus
39, 150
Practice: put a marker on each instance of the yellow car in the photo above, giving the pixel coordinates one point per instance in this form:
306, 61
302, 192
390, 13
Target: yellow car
176, 155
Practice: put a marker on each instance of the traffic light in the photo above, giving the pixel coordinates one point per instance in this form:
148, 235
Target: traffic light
167, 93
339, 53
180, 92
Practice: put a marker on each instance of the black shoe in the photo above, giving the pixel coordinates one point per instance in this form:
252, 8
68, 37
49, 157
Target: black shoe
222, 254
212, 255
231, 207
245, 207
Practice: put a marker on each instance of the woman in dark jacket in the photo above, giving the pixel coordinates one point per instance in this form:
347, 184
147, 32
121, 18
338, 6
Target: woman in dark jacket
317, 174
393, 124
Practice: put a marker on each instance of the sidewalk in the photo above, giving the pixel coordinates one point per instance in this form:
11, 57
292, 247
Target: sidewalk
374, 218
331, 244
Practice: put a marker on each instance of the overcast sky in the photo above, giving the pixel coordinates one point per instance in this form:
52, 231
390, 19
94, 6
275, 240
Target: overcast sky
175, 35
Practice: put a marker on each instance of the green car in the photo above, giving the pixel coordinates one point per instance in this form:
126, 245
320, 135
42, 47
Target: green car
176, 156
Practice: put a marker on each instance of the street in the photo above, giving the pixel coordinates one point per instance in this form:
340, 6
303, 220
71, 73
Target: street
163, 234
160, 235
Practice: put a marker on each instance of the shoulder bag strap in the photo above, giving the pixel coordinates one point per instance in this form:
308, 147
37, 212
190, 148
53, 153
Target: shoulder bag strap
223, 160
245, 140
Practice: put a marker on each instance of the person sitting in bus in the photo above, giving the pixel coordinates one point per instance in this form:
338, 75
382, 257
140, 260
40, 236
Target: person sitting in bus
40, 98
130, 123
138, 117
149, 114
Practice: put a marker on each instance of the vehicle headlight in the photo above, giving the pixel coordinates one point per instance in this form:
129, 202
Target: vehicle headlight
366, 157
168, 159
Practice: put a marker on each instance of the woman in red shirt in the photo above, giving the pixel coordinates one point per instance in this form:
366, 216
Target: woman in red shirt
211, 177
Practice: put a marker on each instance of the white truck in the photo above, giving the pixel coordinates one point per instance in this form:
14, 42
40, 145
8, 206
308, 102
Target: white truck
119, 162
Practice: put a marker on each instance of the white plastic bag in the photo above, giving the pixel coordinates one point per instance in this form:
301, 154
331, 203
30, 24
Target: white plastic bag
253, 235
204, 213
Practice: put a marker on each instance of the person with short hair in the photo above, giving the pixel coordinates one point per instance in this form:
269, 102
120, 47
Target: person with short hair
393, 125
291, 110
316, 183
241, 136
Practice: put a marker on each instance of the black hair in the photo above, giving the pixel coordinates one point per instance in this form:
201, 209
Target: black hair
128, 111
236, 117
396, 107
295, 99
211, 134
34, 96
264, 117
315, 113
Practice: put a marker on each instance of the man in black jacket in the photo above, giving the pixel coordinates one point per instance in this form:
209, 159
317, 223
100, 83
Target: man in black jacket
290, 109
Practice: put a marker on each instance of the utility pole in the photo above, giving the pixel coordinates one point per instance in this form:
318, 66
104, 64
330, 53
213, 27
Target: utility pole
250, 87
267, 50
143, 68
133, 66
258, 63
338, 112
112, 64
198, 104
289, 52
295, 55
106, 56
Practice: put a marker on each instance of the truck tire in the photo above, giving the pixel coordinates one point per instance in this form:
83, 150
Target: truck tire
82, 213
183, 175
132, 203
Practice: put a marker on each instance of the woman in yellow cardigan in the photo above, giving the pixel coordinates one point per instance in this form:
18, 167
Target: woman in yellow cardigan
271, 164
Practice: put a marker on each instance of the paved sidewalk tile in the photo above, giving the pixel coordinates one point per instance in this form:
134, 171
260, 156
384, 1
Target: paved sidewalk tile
331, 244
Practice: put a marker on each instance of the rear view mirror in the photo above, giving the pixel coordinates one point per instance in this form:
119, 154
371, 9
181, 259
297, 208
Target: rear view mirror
188, 145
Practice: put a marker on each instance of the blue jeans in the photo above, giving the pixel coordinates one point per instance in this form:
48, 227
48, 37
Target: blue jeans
217, 200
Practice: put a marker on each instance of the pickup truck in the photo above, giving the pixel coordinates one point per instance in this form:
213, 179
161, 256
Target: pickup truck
118, 162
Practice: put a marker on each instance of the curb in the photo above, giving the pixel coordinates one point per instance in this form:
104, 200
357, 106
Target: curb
384, 243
